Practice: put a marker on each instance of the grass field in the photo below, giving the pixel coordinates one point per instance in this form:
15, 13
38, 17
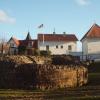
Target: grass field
89, 92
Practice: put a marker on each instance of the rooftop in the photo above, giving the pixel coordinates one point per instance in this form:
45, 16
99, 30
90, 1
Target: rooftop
56, 37
94, 32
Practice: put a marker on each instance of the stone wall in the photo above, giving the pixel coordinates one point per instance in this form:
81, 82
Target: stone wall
55, 76
42, 77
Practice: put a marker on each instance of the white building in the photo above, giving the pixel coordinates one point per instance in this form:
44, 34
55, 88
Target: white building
91, 42
13, 45
58, 44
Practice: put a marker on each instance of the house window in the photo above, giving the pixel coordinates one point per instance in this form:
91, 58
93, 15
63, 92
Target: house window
61, 46
30, 44
11, 45
69, 47
47, 47
56, 46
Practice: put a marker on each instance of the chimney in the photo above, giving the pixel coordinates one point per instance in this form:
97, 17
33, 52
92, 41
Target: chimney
54, 31
64, 33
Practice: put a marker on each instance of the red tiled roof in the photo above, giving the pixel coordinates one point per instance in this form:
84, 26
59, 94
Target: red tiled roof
26, 42
57, 37
16, 41
94, 32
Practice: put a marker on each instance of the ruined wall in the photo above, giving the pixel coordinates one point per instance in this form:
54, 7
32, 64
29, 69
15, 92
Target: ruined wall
41, 76
55, 76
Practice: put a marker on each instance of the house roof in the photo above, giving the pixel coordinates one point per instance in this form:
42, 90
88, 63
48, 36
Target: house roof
15, 40
28, 36
57, 37
26, 42
94, 32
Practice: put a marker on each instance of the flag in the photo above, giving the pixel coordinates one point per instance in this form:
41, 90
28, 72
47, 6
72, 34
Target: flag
40, 26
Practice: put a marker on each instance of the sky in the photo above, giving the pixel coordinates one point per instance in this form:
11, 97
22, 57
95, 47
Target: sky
17, 17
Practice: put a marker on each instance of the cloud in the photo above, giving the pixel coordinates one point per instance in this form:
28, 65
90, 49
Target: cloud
5, 18
82, 2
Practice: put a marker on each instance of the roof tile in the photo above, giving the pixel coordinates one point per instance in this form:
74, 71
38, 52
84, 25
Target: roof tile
94, 32
57, 37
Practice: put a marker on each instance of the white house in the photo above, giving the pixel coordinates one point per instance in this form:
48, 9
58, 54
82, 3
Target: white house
13, 45
58, 44
91, 42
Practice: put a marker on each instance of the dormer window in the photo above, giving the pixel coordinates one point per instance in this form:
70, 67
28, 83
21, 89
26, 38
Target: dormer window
11, 45
30, 44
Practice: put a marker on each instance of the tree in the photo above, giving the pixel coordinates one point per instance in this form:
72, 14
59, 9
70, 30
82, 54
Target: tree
3, 43
22, 49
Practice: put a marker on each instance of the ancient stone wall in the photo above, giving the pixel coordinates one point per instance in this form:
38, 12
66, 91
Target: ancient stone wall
42, 77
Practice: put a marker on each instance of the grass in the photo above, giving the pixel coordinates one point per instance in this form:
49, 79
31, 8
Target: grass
81, 98
16, 94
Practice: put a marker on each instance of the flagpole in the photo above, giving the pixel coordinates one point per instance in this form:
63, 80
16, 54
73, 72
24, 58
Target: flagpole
43, 38
41, 27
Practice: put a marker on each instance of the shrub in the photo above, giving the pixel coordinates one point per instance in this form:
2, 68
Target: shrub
22, 49
36, 52
45, 53
63, 60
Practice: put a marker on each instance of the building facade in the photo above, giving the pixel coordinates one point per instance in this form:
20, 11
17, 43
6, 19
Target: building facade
58, 44
91, 42
28, 44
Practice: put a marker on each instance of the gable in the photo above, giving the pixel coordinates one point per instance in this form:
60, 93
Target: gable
14, 41
94, 32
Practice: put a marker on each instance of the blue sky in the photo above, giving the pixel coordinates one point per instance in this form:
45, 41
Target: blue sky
71, 16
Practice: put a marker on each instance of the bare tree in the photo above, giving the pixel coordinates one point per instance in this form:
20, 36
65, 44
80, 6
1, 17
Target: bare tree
3, 42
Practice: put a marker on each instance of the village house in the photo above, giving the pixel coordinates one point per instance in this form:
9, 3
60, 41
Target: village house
58, 44
91, 43
28, 44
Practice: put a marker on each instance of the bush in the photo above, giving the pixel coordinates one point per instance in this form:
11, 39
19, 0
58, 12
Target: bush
22, 49
63, 60
36, 52
45, 53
